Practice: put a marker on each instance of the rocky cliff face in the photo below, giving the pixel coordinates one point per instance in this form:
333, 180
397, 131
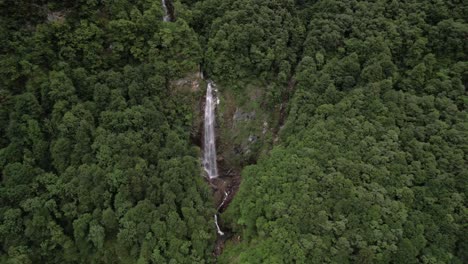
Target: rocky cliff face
245, 129
244, 125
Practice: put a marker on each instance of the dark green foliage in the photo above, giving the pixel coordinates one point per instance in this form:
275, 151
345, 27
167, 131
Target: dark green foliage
94, 155
258, 39
372, 164
96, 164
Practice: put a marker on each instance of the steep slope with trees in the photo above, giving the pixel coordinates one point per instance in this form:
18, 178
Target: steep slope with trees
364, 101
372, 163
95, 159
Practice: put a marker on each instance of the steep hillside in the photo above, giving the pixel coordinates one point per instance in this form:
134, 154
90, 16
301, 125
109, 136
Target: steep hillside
371, 166
341, 131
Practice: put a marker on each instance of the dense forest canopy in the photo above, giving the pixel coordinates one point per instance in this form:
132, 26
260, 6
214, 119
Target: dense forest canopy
97, 163
95, 156
372, 165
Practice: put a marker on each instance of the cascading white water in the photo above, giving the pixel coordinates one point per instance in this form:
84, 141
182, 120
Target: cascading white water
166, 17
221, 233
226, 195
209, 144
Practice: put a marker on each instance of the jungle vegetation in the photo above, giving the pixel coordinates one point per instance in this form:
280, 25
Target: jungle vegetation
97, 164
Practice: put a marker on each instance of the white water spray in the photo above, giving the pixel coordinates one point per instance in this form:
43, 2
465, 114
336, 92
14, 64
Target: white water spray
226, 195
209, 144
166, 17
221, 233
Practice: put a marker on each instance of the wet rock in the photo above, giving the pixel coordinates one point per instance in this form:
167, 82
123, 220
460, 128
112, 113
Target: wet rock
237, 149
240, 115
265, 127
189, 83
253, 138
57, 16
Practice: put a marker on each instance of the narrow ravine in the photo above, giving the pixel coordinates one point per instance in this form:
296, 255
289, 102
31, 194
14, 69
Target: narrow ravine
223, 184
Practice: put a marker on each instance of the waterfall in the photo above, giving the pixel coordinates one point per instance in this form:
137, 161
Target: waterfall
209, 142
166, 17
226, 195
221, 233
169, 12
